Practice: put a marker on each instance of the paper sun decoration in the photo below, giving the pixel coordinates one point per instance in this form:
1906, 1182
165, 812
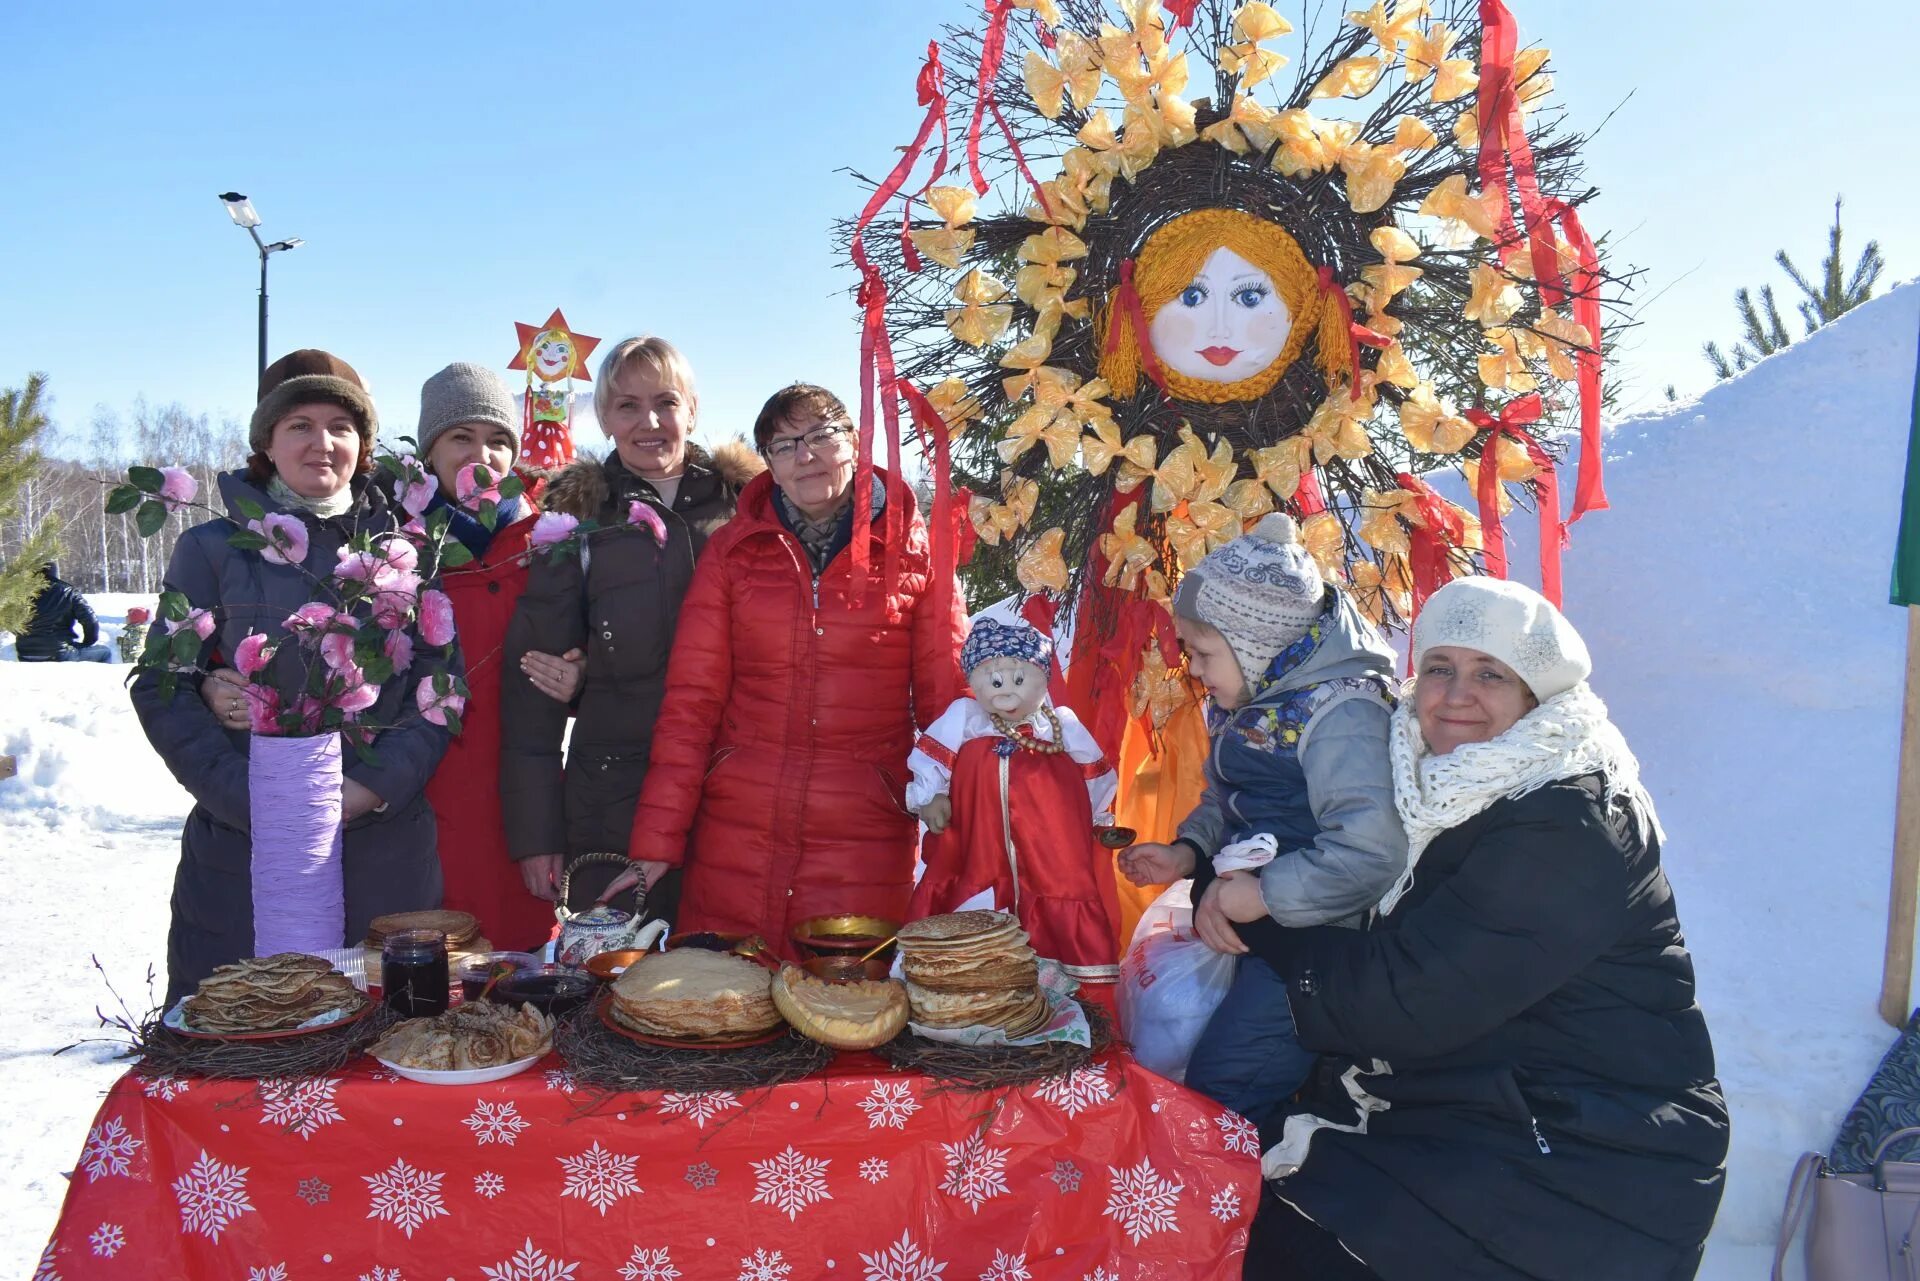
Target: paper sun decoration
553, 356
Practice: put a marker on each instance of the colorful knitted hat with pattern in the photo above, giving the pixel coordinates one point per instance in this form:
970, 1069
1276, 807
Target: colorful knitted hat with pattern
1262, 591
991, 638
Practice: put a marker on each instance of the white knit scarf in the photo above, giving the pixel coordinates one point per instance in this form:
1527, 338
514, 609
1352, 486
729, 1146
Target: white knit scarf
1565, 737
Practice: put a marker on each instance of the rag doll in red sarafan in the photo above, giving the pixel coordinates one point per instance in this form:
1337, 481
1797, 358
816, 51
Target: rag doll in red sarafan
1010, 787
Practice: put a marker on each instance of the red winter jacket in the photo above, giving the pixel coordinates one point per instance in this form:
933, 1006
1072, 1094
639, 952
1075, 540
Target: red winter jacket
464, 792
780, 757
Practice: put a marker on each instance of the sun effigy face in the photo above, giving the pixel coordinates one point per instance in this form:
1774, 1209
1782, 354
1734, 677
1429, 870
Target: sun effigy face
1228, 323
553, 356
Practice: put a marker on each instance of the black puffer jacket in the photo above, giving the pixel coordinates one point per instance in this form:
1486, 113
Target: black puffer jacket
1550, 1104
57, 610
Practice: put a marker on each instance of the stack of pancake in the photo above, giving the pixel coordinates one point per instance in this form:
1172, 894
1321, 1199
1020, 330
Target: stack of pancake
461, 928
972, 969
270, 994
691, 994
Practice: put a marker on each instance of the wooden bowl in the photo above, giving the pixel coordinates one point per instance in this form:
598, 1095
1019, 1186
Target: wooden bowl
607, 965
846, 967
835, 935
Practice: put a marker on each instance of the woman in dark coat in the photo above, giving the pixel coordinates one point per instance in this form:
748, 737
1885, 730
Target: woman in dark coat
656, 498
1529, 1091
312, 436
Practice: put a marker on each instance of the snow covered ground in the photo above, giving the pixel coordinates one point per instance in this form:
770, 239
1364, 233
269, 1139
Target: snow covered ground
1735, 602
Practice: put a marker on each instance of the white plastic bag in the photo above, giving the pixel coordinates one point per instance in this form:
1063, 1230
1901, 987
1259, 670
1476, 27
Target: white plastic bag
1170, 984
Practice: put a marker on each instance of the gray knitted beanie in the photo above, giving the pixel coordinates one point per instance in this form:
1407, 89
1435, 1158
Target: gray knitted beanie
1262, 591
464, 392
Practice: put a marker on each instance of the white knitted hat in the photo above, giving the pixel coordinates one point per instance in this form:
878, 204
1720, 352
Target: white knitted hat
1262, 591
1510, 621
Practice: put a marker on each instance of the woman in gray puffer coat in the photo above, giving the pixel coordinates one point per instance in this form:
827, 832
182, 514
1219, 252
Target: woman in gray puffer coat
312, 436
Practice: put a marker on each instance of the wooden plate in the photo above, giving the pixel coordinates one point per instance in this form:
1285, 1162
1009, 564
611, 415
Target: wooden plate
180, 1028
604, 1008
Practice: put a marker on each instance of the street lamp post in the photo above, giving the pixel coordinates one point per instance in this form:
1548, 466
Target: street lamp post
240, 209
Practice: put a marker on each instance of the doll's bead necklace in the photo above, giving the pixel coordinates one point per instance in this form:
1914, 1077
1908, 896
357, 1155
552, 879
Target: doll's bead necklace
1026, 740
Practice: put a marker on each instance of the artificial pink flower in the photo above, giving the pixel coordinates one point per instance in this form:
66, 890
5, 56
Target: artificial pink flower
355, 567
552, 527
315, 616
399, 646
395, 593
358, 695
252, 654
336, 650
476, 484
263, 709
177, 487
417, 488
641, 513
400, 554
414, 529
286, 538
436, 618
310, 709
434, 707
198, 621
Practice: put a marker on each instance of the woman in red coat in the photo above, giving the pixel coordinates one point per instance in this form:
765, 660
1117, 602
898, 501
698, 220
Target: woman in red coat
780, 757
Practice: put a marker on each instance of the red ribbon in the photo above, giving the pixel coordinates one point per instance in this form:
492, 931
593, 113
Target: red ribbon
1503, 144
1307, 496
1513, 417
993, 46
1357, 333
933, 440
1126, 301
1182, 11
933, 97
1589, 488
1432, 547
1039, 610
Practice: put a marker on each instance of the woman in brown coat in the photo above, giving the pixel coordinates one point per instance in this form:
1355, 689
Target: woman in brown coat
615, 594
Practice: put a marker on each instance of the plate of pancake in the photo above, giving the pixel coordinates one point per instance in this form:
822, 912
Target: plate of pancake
969, 970
287, 994
470, 1044
691, 998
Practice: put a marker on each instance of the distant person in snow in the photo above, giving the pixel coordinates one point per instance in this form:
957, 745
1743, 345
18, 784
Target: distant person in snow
1529, 1088
57, 611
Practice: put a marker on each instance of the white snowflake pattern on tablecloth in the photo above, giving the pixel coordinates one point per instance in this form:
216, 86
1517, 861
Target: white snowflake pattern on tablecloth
109, 1150
1141, 1201
268, 1272
387, 1074
791, 1182
212, 1194
405, 1196
165, 1088
1066, 1176
701, 1176
902, 1261
488, 1184
889, 1105
300, 1104
765, 1265
599, 1177
1238, 1134
382, 1274
314, 1191
975, 1172
46, 1271
873, 1169
1007, 1267
530, 1263
559, 1079
1101, 1274
699, 1107
1077, 1089
495, 1122
649, 1265
1225, 1205
108, 1240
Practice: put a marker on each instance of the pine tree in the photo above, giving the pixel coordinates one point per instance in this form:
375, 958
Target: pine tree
22, 418
1840, 291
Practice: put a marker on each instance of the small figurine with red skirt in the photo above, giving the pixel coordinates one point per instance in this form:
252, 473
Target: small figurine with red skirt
1009, 787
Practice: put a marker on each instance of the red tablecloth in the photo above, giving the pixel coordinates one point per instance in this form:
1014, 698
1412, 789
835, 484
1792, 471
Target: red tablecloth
860, 1173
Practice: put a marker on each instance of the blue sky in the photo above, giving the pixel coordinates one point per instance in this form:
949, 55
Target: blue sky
456, 168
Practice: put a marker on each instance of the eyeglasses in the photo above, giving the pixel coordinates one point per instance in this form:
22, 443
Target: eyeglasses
818, 441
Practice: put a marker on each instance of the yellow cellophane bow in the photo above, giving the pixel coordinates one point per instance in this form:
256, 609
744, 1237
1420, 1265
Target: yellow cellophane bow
1044, 280
1495, 297
955, 205
981, 317
955, 406
1372, 171
1248, 499
1432, 425
1393, 369
1374, 590
1130, 558
1045, 10
1325, 540
1189, 474
1388, 508
1391, 32
1158, 690
1194, 529
1088, 176
1309, 144
1530, 84
1062, 405
949, 244
1451, 200
1146, 37
1412, 134
1384, 280
1427, 56
995, 522
1066, 204
1075, 77
1247, 127
1103, 448
1125, 155
1253, 23
1279, 467
1506, 366
1350, 78
1040, 567
1032, 351
1561, 337
1335, 428
1165, 114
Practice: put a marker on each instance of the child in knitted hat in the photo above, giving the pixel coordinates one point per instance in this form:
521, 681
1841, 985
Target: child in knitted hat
1299, 786
1010, 787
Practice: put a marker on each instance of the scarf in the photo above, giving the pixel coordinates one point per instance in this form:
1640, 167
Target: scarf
467, 527
323, 508
817, 537
1567, 736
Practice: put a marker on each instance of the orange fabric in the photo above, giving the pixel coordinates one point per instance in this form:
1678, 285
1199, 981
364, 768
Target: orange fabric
1157, 792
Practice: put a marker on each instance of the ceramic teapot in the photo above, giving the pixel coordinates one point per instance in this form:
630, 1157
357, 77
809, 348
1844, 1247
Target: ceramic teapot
601, 928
